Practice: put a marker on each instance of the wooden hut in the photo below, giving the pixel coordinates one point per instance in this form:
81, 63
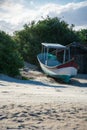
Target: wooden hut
79, 52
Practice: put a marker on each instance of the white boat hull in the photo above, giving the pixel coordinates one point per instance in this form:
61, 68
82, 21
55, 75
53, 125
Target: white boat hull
63, 71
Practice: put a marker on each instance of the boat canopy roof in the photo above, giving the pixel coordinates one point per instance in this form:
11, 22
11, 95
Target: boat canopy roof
53, 45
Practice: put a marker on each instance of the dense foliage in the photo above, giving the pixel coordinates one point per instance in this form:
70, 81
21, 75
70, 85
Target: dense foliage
48, 30
10, 59
27, 42
83, 35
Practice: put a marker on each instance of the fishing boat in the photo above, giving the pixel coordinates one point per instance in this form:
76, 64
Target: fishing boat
51, 64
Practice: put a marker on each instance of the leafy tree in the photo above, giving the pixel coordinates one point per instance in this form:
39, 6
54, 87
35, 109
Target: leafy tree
10, 59
48, 30
83, 35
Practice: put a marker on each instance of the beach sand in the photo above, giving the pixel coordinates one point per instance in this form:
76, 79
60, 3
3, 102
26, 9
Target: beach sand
42, 103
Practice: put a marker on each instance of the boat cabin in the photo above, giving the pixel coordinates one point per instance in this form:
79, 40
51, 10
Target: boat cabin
51, 52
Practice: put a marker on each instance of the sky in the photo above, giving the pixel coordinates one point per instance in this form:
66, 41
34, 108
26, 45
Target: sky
15, 13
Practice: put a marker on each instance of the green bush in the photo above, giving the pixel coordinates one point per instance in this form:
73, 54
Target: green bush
48, 30
10, 59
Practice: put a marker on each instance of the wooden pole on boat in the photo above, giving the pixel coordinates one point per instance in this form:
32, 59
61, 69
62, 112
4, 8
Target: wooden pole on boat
47, 56
64, 56
69, 52
44, 53
68, 48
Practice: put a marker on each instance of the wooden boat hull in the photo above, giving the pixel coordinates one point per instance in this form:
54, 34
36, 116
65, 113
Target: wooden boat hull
63, 71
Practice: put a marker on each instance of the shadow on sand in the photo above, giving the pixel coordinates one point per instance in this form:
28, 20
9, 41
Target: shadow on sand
30, 82
73, 82
76, 81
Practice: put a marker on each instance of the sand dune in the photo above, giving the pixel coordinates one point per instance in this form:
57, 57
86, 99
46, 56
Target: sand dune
42, 103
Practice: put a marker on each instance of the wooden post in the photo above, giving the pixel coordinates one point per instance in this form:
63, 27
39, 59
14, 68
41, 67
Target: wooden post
44, 53
69, 53
64, 56
47, 56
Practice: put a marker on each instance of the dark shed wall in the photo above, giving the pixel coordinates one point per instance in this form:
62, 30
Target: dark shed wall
80, 55
81, 60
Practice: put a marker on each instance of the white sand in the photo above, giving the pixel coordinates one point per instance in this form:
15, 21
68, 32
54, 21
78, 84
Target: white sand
42, 103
